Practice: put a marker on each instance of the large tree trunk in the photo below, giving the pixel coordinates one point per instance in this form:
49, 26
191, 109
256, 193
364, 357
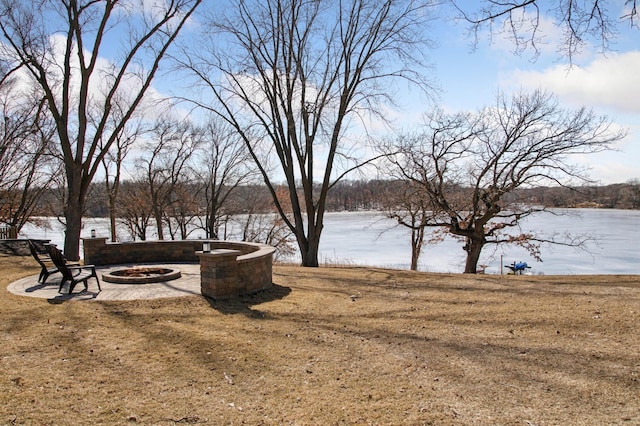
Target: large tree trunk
417, 238
210, 225
73, 211
73, 216
414, 259
112, 226
310, 252
157, 214
212, 230
473, 248
310, 244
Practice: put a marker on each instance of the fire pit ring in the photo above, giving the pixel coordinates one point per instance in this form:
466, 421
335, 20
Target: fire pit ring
141, 275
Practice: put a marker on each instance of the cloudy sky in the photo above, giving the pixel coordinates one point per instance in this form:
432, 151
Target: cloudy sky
609, 83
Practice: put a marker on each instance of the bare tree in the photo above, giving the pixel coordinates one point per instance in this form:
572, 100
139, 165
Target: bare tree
520, 21
59, 44
222, 166
183, 212
134, 208
293, 76
166, 164
27, 163
471, 165
113, 161
408, 204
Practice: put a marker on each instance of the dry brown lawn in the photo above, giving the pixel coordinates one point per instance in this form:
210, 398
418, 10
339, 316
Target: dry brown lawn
331, 346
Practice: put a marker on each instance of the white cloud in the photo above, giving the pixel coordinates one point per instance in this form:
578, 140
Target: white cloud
608, 85
612, 172
609, 82
618, 165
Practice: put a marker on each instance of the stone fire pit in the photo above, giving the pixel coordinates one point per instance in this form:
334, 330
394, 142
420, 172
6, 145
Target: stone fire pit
227, 268
142, 275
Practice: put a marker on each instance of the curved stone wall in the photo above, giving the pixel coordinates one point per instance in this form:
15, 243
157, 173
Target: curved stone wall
230, 269
20, 247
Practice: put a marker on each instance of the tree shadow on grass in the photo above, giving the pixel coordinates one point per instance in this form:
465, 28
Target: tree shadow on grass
65, 297
243, 304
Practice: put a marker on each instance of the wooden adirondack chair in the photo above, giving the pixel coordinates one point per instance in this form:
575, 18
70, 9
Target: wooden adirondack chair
72, 273
44, 260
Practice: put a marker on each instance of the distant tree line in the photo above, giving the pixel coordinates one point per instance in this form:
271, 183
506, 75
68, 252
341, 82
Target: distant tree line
614, 196
373, 194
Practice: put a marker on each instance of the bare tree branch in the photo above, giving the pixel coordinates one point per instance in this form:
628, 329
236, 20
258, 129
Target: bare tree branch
520, 21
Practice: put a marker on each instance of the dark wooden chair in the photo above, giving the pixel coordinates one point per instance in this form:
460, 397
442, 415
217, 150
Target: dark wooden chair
73, 274
44, 260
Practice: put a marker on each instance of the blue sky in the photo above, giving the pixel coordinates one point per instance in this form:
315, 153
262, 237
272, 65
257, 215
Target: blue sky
609, 83
470, 78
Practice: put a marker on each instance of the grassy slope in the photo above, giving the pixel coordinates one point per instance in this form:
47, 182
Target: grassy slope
408, 348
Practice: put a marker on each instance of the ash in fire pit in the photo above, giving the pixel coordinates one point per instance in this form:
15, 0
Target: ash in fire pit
141, 275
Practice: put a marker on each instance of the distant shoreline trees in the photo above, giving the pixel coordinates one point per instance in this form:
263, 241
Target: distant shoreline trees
249, 206
372, 195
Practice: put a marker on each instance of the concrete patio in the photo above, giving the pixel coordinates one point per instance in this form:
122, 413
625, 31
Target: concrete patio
187, 285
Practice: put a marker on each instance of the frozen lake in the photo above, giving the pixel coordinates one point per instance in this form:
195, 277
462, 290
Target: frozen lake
367, 238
